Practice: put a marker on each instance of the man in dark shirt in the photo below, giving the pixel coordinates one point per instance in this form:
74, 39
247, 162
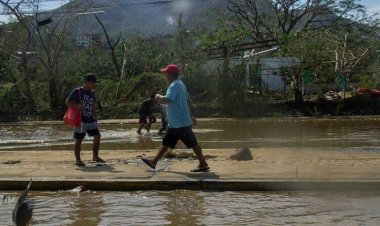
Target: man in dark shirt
83, 99
146, 113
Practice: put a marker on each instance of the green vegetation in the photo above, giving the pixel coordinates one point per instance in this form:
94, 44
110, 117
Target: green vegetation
39, 66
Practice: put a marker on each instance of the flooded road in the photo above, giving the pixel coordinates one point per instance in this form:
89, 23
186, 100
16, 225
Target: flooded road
199, 208
340, 134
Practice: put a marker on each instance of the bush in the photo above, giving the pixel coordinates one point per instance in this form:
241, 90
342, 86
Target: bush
143, 85
369, 81
201, 87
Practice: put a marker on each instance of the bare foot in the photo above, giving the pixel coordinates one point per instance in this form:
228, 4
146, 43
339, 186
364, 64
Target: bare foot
147, 128
79, 163
98, 159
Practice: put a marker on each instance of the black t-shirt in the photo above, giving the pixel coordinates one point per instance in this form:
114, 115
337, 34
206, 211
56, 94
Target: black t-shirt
147, 107
87, 99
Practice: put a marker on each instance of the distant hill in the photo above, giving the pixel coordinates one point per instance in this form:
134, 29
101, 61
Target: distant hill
158, 17
148, 17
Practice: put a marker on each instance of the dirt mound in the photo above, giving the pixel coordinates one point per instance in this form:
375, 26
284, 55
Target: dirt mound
242, 154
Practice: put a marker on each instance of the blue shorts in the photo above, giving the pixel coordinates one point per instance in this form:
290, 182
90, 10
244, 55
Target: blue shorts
90, 128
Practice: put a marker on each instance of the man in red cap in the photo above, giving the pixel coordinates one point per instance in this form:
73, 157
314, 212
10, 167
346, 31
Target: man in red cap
180, 119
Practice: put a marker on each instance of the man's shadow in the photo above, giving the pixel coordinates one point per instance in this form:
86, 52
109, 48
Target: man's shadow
193, 175
97, 167
198, 176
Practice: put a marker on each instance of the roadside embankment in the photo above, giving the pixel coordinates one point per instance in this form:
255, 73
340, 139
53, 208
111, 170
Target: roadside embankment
270, 169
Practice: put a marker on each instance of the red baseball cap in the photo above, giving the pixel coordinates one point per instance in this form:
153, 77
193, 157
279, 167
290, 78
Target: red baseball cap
170, 68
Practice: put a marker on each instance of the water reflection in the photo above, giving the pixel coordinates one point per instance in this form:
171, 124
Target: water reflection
188, 206
7, 204
343, 134
83, 212
136, 208
200, 208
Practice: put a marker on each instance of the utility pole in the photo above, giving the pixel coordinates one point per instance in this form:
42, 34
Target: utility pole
181, 45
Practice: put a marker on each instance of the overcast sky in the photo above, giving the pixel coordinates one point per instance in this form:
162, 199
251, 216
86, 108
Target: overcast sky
371, 5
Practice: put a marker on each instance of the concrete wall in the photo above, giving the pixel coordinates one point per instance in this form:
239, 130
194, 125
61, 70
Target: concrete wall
270, 71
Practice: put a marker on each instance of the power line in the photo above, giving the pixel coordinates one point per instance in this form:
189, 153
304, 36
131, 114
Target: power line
110, 8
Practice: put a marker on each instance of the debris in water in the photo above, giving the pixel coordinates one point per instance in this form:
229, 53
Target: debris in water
79, 189
21, 213
11, 162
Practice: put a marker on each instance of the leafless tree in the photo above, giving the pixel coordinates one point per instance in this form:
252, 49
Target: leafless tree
15, 9
120, 71
50, 41
270, 19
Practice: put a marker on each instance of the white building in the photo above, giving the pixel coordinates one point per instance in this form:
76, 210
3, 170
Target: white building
87, 40
264, 73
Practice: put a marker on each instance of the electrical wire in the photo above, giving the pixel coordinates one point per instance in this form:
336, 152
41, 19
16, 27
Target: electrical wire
111, 8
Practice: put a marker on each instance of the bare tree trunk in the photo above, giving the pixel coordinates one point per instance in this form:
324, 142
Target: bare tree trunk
336, 60
31, 107
111, 46
122, 74
226, 61
181, 46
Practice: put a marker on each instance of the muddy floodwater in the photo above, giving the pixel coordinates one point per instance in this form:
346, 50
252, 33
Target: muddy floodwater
202, 207
338, 134
198, 208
